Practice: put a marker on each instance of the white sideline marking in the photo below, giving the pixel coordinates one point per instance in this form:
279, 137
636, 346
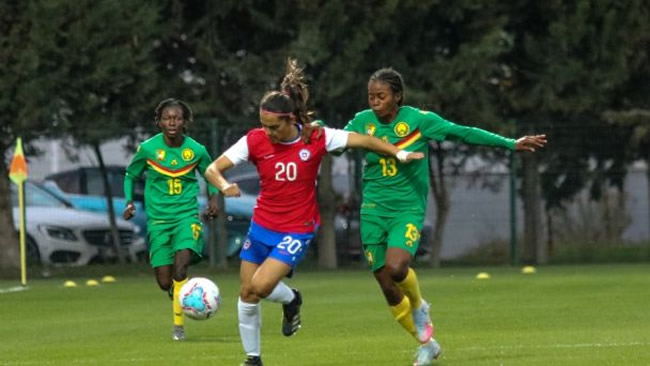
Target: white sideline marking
13, 289
137, 360
542, 346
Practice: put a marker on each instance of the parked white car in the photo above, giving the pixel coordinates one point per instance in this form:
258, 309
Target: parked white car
60, 234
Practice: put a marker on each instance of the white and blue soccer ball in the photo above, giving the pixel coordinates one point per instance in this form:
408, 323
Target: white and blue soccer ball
200, 298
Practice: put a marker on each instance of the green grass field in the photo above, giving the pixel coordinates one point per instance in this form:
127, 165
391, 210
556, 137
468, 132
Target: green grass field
573, 315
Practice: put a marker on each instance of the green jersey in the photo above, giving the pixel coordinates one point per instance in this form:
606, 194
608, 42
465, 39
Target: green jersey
391, 188
171, 186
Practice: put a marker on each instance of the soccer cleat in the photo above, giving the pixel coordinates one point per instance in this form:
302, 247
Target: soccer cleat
291, 315
427, 352
252, 361
423, 324
178, 333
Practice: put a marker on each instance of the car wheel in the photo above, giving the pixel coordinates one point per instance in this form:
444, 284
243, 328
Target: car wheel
33, 256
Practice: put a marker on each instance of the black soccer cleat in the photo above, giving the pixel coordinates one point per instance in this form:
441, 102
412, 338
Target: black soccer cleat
291, 315
252, 361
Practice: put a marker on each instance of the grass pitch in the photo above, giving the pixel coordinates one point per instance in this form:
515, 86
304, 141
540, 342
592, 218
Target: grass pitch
573, 315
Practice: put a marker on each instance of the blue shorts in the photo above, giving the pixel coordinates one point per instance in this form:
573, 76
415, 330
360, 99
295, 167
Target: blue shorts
262, 243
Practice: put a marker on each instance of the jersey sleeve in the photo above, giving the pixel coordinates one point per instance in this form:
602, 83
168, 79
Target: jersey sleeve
238, 153
204, 161
354, 126
134, 171
438, 128
335, 139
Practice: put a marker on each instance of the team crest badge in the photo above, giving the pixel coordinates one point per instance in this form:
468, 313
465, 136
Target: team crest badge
160, 154
247, 244
370, 129
187, 154
304, 154
402, 129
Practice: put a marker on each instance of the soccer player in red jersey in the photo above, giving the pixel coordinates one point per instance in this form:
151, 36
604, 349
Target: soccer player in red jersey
286, 215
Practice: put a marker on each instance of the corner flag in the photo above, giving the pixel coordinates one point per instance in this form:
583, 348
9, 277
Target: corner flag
18, 168
18, 174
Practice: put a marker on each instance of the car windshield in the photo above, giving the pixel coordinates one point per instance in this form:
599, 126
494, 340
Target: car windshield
36, 196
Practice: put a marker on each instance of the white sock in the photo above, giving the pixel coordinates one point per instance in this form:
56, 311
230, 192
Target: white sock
281, 293
250, 323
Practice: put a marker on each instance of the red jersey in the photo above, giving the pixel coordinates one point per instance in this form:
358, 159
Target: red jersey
288, 172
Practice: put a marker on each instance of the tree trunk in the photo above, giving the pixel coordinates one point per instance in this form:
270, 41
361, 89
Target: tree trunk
533, 252
441, 198
326, 199
647, 174
9, 248
109, 205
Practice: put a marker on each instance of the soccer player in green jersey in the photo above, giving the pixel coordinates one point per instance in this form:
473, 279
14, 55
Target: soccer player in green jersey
395, 196
171, 159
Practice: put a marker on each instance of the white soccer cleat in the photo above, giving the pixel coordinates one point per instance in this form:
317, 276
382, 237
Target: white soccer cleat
423, 324
178, 333
427, 352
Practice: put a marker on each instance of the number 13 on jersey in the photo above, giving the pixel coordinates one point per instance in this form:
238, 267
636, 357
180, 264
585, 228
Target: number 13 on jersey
388, 167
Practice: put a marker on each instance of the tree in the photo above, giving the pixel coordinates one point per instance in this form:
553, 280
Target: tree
29, 109
109, 84
570, 62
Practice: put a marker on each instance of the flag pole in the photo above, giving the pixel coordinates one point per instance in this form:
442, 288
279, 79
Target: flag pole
18, 175
23, 256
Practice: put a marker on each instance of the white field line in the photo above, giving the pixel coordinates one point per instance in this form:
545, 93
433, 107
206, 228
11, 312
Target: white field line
13, 289
137, 360
555, 346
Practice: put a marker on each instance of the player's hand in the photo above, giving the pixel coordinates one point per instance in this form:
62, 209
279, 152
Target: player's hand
530, 143
406, 156
416, 155
129, 211
212, 210
231, 190
308, 129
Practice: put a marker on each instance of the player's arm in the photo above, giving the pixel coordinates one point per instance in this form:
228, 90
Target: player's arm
133, 171
214, 175
212, 209
477, 136
372, 143
236, 154
339, 139
435, 127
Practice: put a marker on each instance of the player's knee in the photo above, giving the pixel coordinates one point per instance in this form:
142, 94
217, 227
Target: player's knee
164, 284
261, 289
180, 273
398, 269
247, 294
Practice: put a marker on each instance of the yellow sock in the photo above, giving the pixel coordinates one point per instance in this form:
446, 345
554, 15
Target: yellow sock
411, 289
402, 313
178, 312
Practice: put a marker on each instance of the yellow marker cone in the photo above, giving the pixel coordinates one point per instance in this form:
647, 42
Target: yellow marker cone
92, 283
108, 279
483, 276
528, 270
69, 284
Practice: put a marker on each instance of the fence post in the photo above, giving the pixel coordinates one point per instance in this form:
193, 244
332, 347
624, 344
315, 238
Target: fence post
514, 253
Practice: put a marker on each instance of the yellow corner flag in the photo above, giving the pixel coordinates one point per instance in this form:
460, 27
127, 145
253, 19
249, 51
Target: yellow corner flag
18, 174
18, 168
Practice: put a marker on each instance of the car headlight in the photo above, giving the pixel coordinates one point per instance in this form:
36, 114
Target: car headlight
58, 232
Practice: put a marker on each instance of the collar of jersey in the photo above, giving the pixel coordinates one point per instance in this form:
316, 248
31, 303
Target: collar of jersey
294, 140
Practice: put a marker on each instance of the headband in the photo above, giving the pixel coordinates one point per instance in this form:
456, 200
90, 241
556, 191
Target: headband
278, 114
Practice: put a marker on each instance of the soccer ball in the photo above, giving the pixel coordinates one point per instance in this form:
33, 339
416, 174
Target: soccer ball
200, 298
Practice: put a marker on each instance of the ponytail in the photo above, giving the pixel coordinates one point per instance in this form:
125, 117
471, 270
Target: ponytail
292, 97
